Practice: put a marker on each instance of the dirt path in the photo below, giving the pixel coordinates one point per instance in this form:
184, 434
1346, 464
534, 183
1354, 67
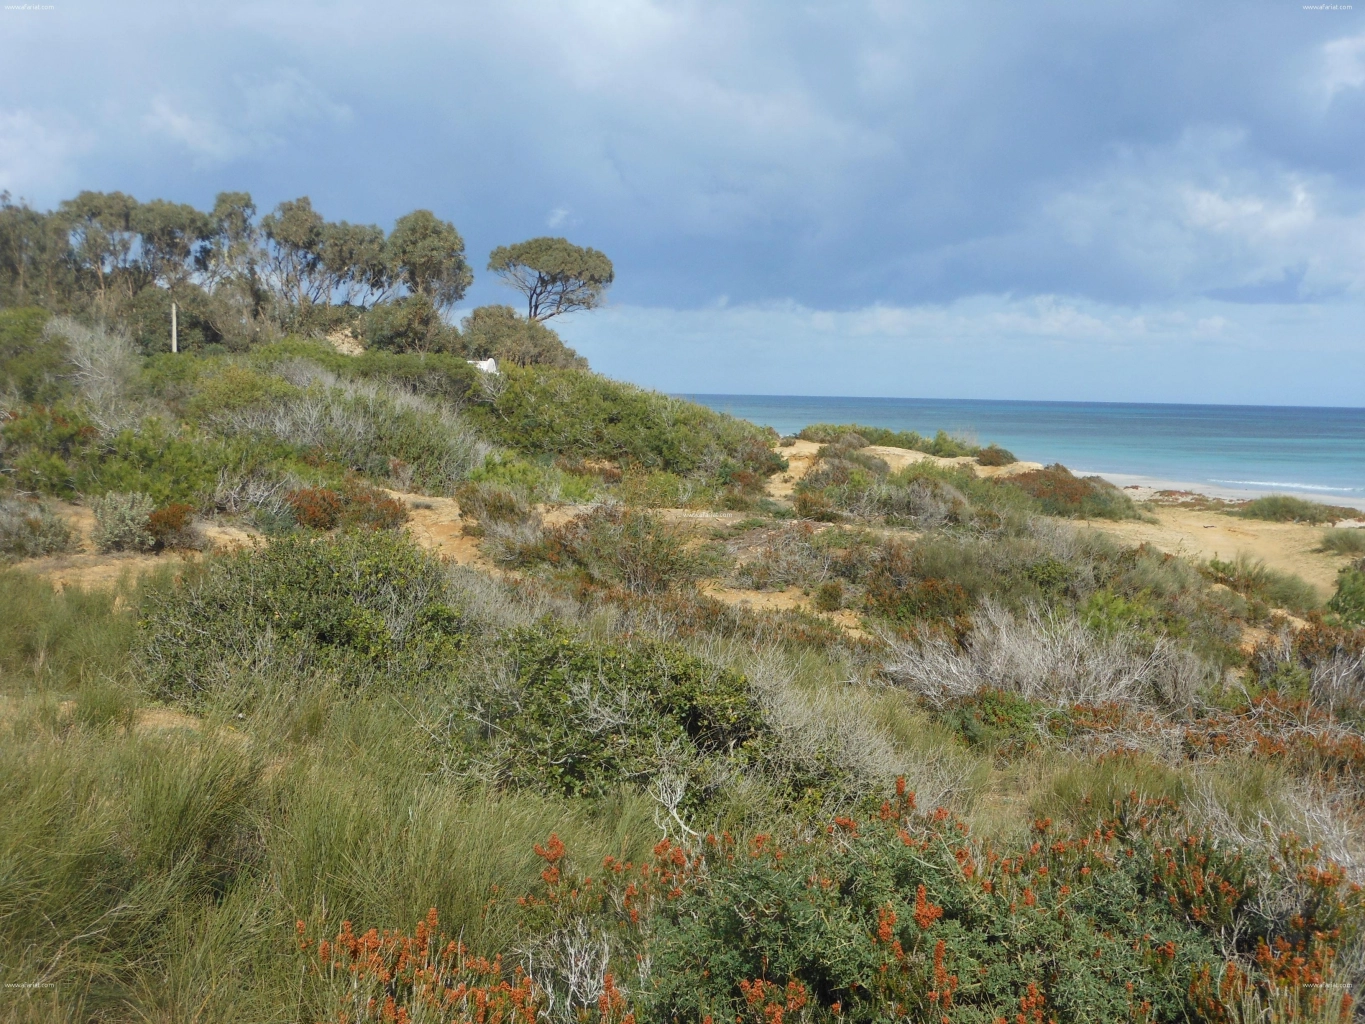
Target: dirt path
1202, 534
800, 457
87, 567
790, 599
435, 524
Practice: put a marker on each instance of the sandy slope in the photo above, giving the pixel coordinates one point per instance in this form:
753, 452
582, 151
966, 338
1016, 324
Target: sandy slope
1202, 534
435, 524
899, 458
86, 567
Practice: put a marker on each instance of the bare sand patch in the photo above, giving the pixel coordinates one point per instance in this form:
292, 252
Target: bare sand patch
800, 457
87, 568
1202, 534
435, 524
346, 343
900, 458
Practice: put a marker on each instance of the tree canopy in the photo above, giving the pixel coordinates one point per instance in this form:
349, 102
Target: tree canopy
428, 255
555, 275
500, 332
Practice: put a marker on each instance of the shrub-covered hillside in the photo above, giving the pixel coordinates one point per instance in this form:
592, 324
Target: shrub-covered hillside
537, 697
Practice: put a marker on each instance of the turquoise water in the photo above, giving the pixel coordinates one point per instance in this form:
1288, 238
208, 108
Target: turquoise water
1229, 449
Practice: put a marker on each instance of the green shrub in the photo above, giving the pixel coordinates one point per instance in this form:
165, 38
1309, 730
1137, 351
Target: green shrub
1349, 600
230, 388
851, 434
359, 607
902, 915
121, 521
410, 324
1343, 542
1252, 578
829, 596
45, 446
994, 455
999, 721
1282, 508
1059, 493
30, 529
616, 545
32, 364
499, 332
583, 717
544, 411
166, 464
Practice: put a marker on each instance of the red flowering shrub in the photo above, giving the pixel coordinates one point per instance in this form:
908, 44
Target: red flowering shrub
321, 508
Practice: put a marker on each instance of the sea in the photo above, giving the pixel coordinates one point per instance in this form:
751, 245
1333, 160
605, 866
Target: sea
1233, 451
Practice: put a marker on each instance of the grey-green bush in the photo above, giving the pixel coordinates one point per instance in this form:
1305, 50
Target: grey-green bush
121, 521
29, 529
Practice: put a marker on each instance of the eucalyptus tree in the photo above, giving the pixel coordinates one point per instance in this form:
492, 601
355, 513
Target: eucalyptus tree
356, 262
293, 252
426, 255
35, 264
555, 275
103, 240
172, 238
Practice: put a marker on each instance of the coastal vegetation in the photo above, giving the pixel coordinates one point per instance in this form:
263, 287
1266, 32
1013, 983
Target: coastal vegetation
1285, 508
414, 692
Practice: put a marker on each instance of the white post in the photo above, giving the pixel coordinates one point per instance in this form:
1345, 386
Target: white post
175, 341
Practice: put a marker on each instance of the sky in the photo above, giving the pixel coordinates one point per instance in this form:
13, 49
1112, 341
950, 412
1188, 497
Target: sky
1142, 201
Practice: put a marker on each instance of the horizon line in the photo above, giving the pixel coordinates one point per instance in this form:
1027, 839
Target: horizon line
1012, 401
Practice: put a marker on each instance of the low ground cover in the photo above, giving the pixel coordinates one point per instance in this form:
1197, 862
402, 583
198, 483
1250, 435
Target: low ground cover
978, 763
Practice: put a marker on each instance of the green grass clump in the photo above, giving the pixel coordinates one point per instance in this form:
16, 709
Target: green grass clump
57, 641
1252, 578
1343, 542
1283, 508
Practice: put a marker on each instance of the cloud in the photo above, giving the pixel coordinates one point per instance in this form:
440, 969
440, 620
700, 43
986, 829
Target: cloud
38, 146
1343, 66
258, 119
1047, 347
1201, 215
1088, 177
200, 134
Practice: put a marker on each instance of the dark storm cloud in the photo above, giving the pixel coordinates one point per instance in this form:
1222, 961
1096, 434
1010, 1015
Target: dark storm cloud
835, 155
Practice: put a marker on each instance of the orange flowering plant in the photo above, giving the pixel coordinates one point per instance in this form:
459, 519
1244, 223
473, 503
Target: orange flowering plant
900, 915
